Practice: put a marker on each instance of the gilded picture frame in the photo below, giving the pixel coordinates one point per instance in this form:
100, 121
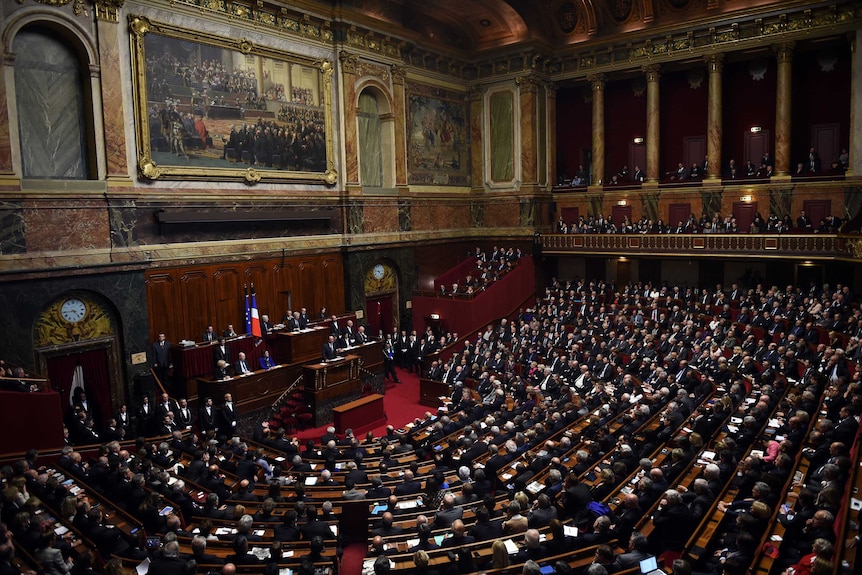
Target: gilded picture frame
209, 108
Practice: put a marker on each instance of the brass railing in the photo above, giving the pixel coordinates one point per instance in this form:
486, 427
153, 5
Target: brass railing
765, 245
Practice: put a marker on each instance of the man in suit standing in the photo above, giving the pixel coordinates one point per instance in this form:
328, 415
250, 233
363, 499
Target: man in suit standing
349, 334
229, 331
228, 417
222, 351
207, 416
334, 328
329, 352
183, 416
162, 358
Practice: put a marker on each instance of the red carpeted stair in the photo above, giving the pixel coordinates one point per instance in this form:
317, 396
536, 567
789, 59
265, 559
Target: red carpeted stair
401, 403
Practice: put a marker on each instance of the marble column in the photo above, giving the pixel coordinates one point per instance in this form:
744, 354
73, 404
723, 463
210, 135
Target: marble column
551, 155
715, 64
107, 84
653, 124
399, 111
529, 93
784, 53
351, 149
7, 75
597, 82
475, 96
855, 149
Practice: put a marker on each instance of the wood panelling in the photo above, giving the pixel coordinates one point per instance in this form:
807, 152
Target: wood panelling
183, 301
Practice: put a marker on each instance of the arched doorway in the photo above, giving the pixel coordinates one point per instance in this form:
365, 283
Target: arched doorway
376, 129
381, 299
79, 329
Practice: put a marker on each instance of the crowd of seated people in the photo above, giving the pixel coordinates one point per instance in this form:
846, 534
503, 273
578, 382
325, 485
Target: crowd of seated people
717, 224
580, 400
489, 269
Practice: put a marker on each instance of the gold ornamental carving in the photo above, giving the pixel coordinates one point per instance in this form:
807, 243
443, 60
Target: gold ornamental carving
78, 7
108, 10
245, 46
53, 328
855, 248
597, 81
652, 71
784, 52
715, 63
349, 61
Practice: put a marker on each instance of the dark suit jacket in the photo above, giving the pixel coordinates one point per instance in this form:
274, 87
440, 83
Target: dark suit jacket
219, 354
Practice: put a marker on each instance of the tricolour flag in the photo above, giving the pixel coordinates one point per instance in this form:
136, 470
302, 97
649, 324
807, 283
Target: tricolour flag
247, 312
77, 382
255, 318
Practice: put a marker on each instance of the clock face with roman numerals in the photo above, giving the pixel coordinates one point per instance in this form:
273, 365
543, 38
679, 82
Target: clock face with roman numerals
73, 310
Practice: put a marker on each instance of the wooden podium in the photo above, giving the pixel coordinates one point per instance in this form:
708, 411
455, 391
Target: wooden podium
360, 415
298, 346
330, 384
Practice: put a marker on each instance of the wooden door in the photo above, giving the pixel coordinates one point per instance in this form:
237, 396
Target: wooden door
824, 138
570, 216
756, 145
624, 272
379, 315
816, 210
619, 213
677, 213
744, 213
694, 150
637, 157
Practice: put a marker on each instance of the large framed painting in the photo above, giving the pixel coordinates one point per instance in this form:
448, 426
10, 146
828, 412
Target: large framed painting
217, 108
439, 146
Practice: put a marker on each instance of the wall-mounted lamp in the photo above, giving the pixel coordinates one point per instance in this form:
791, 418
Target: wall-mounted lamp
621, 203
745, 199
756, 129
638, 140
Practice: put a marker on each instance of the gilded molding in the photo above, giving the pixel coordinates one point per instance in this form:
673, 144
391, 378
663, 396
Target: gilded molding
109, 10
349, 61
78, 7
652, 72
715, 63
597, 81
784, 52
399, 74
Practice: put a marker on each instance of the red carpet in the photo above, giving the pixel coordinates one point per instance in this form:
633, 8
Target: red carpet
401, 403
354, 555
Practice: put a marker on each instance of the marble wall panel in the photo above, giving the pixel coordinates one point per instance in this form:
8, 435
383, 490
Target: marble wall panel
112, 99
436, 215
5, 144
12, 240
502, 213
380, 217
125, 292
55, 225
135, 223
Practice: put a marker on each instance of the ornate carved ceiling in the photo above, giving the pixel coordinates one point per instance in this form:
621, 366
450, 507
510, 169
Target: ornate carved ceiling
477, 28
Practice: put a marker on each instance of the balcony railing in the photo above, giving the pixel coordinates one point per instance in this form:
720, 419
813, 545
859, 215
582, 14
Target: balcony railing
785, 245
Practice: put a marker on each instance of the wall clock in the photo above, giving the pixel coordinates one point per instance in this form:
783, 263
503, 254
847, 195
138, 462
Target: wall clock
73, 310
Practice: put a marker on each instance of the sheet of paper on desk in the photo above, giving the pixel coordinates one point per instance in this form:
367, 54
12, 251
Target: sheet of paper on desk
511, 548
412, 543
334, 529
61, 530
311, 480
285, 554
285, 571
570, 531
143, 567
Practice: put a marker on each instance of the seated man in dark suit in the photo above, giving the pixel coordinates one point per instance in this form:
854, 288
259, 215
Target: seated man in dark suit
459, 537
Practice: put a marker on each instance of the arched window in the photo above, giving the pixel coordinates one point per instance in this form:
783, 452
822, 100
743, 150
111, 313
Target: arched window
52, 107
370, 142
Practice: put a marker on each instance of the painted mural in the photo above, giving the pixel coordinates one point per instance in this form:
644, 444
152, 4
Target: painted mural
438, 151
